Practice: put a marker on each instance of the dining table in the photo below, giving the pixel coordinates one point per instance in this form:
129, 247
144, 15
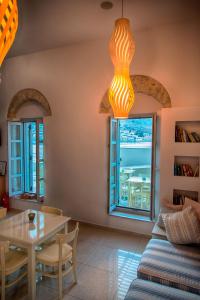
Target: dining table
28, 235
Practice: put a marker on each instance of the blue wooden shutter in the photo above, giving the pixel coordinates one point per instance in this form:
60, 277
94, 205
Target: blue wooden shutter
30, 156
114, 164
40, 161
15, 150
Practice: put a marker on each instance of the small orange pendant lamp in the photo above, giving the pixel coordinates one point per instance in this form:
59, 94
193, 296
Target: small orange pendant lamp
122, 48
8, 25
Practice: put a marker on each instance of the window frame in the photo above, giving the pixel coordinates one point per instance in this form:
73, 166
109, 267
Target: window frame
128, 210
37, 121
38, 159
15, 158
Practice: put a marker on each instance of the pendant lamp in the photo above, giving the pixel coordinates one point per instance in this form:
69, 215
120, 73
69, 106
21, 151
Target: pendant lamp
122, 48
8, 26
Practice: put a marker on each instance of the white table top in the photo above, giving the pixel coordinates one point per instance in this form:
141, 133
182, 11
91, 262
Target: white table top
18, 229
138, 179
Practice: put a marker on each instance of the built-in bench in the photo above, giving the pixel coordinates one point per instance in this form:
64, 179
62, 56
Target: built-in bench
147, 290
167, 271
172, 265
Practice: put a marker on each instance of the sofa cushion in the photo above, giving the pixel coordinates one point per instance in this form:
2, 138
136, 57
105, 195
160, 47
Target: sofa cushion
172, 265
158, 232
165, 210
182, 227
194, 204
148, 290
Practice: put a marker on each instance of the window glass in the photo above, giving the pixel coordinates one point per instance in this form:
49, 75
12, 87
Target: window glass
114, 131
15, 132
42, 187
41, 169
16, 167
131, 163
41, 132
16, 149
41, 150
135, 163
16, 184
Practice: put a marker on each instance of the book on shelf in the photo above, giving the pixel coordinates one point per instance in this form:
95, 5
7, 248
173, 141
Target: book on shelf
185, 136
196, 172
196, 136
185, 170
178, 199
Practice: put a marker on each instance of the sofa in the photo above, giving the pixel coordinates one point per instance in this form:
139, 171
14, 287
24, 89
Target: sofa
167, 271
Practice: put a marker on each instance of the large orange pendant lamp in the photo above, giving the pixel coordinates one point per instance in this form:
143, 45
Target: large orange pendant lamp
8, 26
122, 48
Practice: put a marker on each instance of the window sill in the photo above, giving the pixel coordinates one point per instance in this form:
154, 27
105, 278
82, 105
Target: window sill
29, 200
131, 216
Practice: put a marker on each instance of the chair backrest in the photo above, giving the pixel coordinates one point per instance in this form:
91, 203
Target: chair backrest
4, 248
68, 238
51, 210
3, 212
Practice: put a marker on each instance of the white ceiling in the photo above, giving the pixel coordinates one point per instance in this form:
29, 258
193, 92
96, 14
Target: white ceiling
45, 24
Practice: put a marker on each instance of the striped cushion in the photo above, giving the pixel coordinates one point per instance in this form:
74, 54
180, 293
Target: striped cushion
172, 265
182, 227
147, 290
165, 210
194, 204
158, 233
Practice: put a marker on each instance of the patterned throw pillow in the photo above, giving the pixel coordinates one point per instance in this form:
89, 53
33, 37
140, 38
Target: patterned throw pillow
165, 210
182, 227
194, 204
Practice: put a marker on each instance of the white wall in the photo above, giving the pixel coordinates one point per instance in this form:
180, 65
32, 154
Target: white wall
74, 80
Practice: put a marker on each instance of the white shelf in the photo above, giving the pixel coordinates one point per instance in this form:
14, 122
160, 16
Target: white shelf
169, 149
186, 183
186, 149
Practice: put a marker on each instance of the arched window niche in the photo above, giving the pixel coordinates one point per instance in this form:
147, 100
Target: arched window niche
27, 118
26, 99
145, 86
132, 162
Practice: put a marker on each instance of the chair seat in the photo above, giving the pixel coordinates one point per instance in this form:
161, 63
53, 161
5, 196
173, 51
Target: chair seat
172, 265
148, 290
14, 261
50, 254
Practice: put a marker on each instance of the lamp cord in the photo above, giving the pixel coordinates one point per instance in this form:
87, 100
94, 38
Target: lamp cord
122, 8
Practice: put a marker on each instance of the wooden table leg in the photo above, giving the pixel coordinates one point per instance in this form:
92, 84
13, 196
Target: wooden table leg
31, 274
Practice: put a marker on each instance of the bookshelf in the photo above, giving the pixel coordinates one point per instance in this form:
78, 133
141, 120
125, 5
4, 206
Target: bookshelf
178, 196
187, 132
180, 153
187, 166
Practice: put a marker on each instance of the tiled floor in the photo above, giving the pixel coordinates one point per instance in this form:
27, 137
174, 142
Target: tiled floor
107, 263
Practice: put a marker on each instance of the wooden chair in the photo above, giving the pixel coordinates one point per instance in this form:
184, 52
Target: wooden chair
10, 262
51, 210
57, 255
3, 212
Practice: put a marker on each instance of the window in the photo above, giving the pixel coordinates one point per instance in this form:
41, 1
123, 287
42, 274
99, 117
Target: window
26, 158
132, 165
